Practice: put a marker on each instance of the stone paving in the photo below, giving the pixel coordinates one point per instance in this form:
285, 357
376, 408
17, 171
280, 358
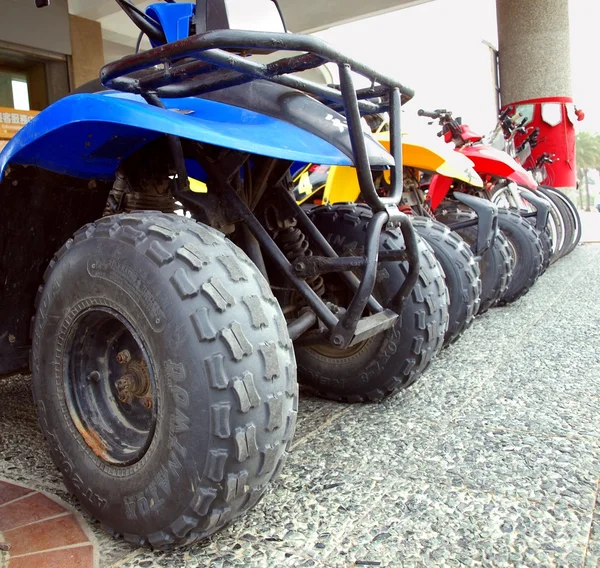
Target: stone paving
491, 459
590, 222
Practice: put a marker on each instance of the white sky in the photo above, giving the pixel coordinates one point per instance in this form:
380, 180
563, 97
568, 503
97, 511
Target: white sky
437, 49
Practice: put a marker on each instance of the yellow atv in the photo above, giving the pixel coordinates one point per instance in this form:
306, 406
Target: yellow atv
339, 184
327, 185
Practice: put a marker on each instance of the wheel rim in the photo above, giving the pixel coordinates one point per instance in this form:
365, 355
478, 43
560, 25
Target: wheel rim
110, 387
330, 351
573, 214
513, 251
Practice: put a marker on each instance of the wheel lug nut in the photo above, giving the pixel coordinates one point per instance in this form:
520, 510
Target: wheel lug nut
94, 377
123, 357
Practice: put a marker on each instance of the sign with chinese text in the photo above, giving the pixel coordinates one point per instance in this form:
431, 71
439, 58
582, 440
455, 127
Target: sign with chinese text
11, 121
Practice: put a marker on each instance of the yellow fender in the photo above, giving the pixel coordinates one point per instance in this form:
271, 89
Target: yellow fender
342, 182
304, 187
197, 186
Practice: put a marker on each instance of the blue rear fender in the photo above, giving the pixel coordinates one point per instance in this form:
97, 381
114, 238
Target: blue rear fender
88, 135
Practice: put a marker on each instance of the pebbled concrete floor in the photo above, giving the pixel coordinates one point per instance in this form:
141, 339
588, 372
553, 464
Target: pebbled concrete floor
590, 222
492, 458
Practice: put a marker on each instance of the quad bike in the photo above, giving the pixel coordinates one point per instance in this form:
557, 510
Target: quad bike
164, 371
324, 184
498, 169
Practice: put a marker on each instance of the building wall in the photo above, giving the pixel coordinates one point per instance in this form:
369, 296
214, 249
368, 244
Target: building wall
315, 15
87, 50
114, 51
23, 24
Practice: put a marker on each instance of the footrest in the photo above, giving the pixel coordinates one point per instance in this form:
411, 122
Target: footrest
372, 325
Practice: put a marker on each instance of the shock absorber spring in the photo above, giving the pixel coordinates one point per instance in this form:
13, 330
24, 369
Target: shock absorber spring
294, 245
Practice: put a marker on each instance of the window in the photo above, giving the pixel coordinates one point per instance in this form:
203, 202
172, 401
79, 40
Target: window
20, 93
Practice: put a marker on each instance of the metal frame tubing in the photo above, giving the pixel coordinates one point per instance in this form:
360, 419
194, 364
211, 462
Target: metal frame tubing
414, 265
211, 61
213, 53
359, 302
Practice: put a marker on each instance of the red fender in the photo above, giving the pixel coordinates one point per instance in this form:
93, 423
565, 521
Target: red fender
497, 163
488, 161
438, 189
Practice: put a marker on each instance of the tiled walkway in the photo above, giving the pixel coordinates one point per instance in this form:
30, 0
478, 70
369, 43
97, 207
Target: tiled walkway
37, 531
491, 459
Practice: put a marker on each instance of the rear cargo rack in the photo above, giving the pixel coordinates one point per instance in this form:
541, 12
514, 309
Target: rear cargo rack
216, 60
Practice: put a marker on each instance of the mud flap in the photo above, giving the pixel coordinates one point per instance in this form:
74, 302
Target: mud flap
542, 207
487, 220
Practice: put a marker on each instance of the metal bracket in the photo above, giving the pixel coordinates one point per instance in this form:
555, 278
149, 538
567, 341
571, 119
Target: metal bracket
311, 266
394, 214
372, 325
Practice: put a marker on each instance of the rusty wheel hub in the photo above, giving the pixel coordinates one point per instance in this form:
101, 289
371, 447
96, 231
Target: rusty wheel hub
110, 386
135, 384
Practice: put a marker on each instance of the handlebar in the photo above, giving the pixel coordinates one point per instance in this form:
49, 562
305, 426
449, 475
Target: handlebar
505, 113
545, 158
438, 113
448, 123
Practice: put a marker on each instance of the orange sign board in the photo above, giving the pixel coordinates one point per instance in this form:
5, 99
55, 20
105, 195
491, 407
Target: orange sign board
11, 121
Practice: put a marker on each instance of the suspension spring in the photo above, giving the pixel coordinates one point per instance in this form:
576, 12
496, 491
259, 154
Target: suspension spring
294, 245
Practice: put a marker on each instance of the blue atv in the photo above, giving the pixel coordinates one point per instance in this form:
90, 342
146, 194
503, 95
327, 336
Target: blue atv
165, 289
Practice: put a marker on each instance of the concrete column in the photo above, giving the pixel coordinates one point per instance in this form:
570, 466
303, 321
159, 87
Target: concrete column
535, 76
88, 50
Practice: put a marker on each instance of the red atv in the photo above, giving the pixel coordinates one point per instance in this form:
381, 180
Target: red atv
518, 247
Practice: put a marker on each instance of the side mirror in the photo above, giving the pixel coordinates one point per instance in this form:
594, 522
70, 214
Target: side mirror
253, 15
42, 3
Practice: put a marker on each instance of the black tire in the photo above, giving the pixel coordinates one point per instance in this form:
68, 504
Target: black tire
574, 217
461, 273
394, 359
218, 361
527, 251
553, 238
546, 243
495, 265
